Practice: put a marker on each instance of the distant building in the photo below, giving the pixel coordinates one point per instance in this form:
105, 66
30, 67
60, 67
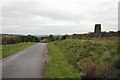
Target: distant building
97, 30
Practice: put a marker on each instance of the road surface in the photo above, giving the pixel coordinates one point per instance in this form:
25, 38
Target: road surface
27, 63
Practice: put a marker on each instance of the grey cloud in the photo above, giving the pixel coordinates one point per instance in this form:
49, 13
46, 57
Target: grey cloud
58, 16
119, 15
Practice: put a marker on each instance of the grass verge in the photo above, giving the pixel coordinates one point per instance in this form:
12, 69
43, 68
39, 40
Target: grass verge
59, 66
8, 50
94, 59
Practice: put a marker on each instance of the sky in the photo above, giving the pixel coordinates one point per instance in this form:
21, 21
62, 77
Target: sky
44, 17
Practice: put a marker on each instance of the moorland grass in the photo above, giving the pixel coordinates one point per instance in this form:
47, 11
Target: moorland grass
96, 59
58, 66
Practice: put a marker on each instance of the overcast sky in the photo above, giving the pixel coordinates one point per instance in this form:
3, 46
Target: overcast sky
44, 17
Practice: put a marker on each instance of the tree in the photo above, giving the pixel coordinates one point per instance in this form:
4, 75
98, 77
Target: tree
64, 37
51, 38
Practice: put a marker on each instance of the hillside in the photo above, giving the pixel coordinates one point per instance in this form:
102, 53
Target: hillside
95, 59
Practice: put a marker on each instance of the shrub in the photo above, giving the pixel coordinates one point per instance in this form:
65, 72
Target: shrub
94, 68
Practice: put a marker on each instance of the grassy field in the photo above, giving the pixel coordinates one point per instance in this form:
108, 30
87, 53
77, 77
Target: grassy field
13, 48
89, 58
59, 66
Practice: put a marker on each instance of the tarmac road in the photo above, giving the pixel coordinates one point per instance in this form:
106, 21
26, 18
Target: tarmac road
27, 63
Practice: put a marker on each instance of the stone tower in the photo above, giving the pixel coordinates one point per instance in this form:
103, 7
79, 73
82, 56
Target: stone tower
97, 30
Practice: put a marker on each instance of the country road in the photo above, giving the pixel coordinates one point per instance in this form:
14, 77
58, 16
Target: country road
27, 63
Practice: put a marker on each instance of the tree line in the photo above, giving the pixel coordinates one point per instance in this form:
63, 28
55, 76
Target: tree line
110, 34
13, 39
